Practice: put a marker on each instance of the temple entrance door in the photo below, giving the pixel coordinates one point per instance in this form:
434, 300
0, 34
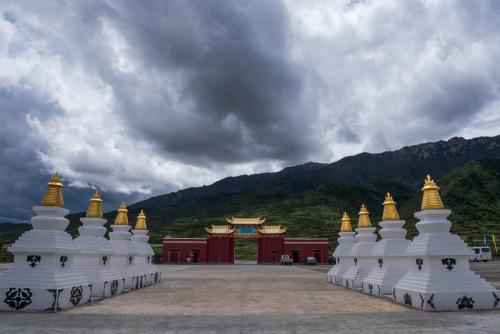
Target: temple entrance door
195, 255
296, 256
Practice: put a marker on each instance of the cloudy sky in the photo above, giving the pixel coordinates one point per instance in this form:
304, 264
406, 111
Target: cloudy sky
141, 98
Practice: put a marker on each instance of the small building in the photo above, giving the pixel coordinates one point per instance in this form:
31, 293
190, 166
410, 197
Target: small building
218, 247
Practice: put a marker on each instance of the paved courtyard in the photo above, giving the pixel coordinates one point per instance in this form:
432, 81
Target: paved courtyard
250, 299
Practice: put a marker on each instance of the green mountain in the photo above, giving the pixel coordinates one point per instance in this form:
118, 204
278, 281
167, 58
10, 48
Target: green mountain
309, 199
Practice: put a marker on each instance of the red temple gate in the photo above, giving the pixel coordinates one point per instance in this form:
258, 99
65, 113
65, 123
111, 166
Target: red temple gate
218, 247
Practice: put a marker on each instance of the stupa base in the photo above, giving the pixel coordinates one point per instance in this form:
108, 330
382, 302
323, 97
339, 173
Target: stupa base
381, 281
354, 276
448, 301
28, 299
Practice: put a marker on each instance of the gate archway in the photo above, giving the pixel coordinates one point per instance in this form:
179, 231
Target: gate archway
270, 240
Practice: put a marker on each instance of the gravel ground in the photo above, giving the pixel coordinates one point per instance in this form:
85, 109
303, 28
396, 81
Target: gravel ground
251, 299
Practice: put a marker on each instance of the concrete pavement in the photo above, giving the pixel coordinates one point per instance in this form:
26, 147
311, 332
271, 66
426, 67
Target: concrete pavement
248, 299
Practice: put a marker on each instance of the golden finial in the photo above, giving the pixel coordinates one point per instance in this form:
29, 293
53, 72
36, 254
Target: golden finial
431, 199
95, 206
141, 221
54, 194
390, 211
364, 219
122, 217
346, 223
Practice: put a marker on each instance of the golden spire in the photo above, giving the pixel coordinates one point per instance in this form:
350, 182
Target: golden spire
390, 211
121, 217
431, 199
346, 223
54, 194
95, 206
141, 221
364, 219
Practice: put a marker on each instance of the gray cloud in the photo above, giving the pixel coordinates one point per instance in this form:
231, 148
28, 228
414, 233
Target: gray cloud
141, 99
237, 89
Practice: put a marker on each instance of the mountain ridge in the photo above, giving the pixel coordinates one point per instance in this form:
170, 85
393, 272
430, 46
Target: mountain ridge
308, 199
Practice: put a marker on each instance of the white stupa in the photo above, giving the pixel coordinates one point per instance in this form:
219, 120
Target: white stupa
341, 253
440, 277
123, 258
43, 277
362, 260
144, 257
389, 254
95, 251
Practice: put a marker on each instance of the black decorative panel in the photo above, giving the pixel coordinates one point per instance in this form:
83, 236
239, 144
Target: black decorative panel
18, 298
465, 302
420, 263
76, 295
407, 299
114, 287
33, 260
449, 263
55, 301
63, 259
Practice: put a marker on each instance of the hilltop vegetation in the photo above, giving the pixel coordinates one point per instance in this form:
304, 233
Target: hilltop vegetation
309, 199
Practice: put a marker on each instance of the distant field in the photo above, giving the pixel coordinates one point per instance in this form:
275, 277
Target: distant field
246, 249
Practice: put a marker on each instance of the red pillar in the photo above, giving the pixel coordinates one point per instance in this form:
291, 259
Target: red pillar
220, 249
269, 244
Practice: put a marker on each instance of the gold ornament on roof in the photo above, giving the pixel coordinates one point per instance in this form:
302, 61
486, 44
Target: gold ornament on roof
95, 206
390, 211
141, 221
346, 223
364, 218
122, 217
54, 194
274, 229
431, 199
220, 229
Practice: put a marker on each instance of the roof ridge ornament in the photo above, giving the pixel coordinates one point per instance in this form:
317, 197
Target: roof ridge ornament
140, 223
390, 210
346, 223
122, 216
431, 199
364, 218
54, 193
95, 206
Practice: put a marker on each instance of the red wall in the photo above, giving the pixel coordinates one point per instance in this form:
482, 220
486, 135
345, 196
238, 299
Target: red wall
223, 247
220, 249
306, 248
267, 245
184, 247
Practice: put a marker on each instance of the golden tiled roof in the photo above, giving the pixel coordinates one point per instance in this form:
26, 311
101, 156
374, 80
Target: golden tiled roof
220, 229
272, 230
246, 221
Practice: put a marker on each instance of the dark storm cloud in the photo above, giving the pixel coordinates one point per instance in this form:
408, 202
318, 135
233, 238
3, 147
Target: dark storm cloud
23, 178
142, 98
240, 95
